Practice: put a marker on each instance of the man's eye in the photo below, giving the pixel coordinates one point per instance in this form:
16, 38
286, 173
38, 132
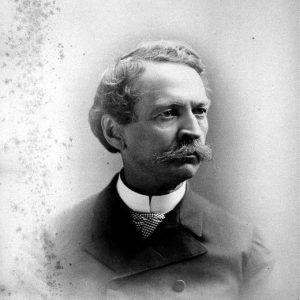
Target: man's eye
167, 114
200, 111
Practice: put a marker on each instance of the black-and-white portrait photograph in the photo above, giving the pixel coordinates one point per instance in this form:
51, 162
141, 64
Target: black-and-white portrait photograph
149, 149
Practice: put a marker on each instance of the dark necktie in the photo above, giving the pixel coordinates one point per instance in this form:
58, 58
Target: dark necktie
146, 223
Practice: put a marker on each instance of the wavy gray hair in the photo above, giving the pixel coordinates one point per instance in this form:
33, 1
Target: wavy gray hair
115, 95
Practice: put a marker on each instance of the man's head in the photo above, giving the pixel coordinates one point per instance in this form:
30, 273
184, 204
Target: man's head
151, 107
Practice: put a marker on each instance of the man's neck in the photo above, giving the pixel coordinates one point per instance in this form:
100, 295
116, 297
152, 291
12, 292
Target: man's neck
148, 185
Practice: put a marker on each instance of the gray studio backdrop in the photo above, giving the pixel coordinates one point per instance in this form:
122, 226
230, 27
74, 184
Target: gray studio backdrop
52, 56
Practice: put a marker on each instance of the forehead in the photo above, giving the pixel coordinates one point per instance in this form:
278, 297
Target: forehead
163, 82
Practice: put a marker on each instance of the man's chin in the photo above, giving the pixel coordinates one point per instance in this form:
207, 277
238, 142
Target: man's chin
184, 171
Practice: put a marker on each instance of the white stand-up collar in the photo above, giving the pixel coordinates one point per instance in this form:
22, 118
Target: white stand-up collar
155, 204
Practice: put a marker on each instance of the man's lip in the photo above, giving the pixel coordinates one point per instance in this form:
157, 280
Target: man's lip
193, 154
190, 155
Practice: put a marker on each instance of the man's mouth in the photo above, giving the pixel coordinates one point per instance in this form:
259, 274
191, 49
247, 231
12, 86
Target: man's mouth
192, 157
193, 154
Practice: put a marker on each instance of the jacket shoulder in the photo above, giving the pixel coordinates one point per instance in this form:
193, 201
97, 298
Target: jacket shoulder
217, 223
233, 236
76, 222
68, 229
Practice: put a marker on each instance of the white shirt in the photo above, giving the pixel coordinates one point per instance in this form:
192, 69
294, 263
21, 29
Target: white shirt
155, 204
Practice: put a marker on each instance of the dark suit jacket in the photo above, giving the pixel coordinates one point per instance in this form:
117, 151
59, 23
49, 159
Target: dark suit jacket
198, 252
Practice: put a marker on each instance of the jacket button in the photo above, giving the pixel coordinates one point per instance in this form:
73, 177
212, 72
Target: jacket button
179, 286
113, 285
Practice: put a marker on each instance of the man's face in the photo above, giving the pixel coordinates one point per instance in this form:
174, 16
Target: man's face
172, 111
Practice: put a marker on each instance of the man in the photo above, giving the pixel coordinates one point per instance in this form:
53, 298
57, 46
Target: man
147, 235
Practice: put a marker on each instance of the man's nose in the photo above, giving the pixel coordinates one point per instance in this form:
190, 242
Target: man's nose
191, 129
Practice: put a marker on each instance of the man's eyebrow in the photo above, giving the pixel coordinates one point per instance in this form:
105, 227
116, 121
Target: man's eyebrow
177, 103
202, 104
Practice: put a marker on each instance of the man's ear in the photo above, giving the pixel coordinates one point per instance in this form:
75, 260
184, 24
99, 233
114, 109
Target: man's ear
113, 132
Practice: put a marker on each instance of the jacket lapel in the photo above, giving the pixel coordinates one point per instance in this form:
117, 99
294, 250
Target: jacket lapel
117, 244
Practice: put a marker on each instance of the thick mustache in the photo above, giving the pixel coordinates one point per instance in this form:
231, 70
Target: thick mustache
203, 152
